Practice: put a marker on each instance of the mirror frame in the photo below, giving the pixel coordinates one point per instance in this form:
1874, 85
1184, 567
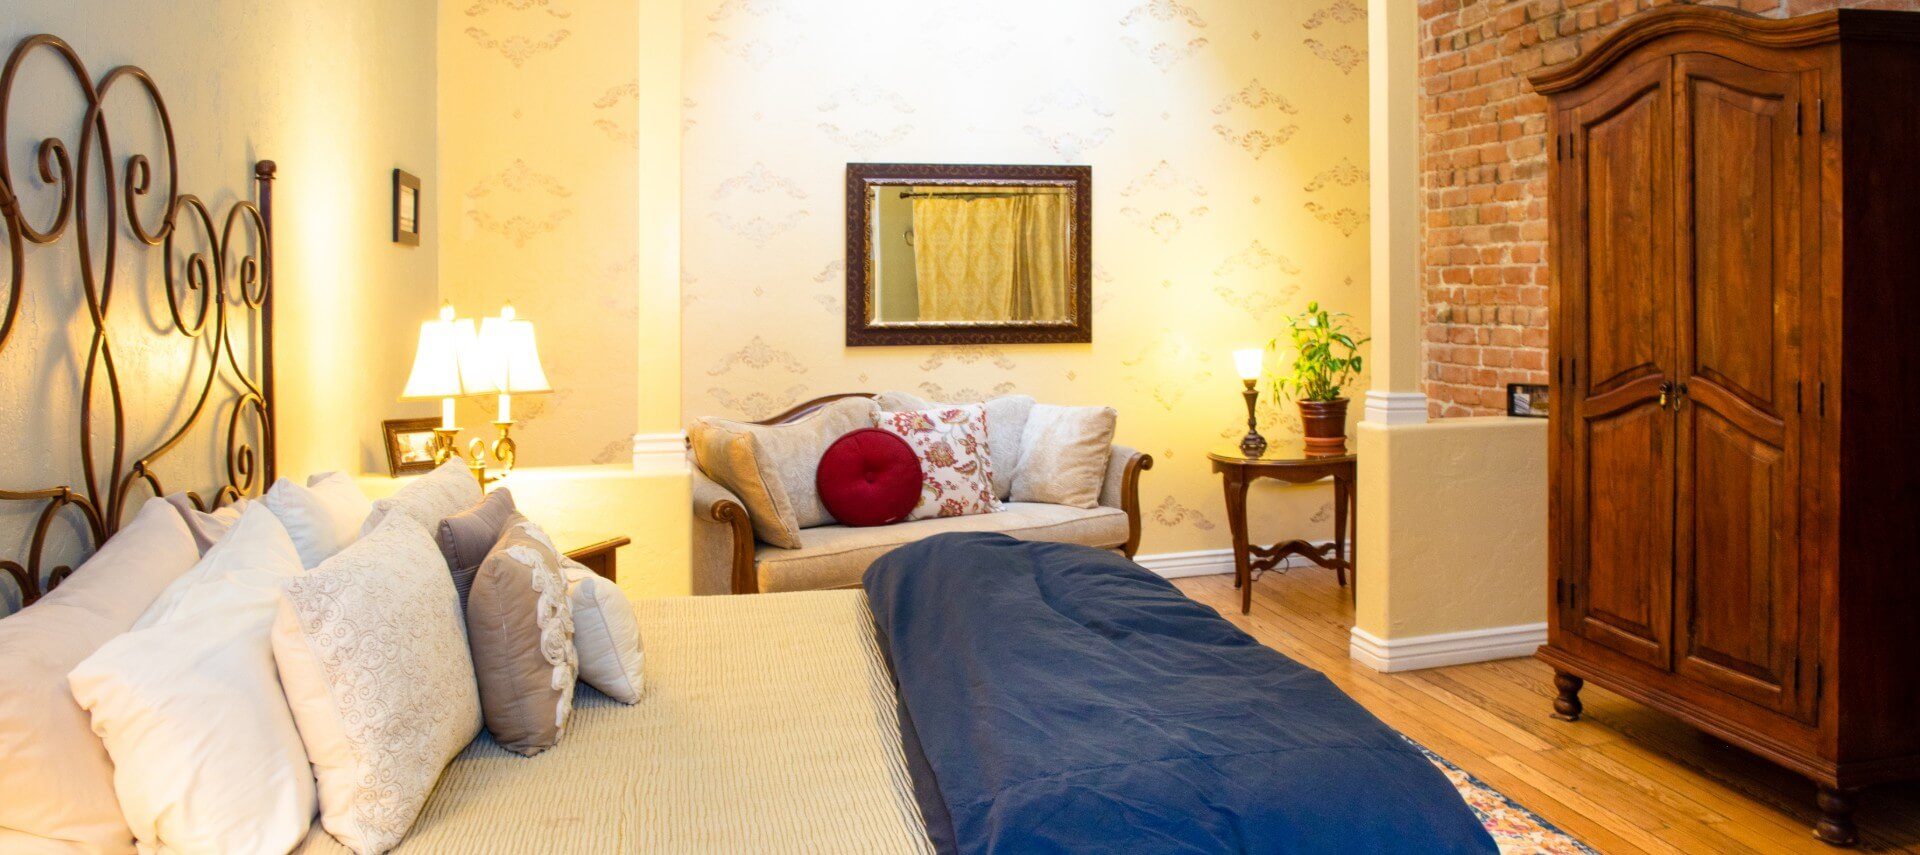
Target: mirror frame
864, 178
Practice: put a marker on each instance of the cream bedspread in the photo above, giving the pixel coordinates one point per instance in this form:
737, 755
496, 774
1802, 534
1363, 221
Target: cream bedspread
768, 725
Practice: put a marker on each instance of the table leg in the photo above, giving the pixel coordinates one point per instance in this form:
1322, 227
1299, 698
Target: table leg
1340, 488
1236, 488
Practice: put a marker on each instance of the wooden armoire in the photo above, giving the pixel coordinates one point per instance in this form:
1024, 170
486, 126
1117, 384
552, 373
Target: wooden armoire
1735, 342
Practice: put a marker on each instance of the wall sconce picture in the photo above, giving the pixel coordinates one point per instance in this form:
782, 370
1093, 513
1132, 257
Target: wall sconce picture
410, 445
1527, 400
406, 208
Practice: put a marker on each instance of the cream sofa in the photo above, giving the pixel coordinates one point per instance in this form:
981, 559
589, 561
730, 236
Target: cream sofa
727, 558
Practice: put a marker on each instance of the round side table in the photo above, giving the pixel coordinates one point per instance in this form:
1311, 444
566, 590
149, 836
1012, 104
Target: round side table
1292, 463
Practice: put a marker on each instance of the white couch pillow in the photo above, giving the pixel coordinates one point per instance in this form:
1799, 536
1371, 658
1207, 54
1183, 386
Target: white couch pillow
374, 661
205, 754
322, 516
56, 781
606, 635
1063, 455
430, 498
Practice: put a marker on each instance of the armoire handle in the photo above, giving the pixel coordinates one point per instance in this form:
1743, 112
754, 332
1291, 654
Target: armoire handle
1666, 393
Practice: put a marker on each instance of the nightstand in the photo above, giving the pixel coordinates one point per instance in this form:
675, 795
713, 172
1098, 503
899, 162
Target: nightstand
599, 556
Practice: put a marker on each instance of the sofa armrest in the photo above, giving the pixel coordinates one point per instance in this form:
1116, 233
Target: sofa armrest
1122, 490
723, 540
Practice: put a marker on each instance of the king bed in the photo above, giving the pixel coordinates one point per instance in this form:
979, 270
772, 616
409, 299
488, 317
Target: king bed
978, 694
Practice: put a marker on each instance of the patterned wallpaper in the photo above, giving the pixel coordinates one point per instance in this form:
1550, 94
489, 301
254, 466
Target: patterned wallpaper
537, 205
1228, 142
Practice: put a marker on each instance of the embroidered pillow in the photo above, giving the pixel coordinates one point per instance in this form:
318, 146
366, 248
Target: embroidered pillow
956, 470
430, 498
375, 667
520, 626
1063, 459
1006, 421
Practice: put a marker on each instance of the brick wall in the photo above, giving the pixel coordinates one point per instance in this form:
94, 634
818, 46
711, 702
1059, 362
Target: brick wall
1484, 300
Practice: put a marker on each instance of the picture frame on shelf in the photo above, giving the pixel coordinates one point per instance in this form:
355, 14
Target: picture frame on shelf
409, 444
1527, 400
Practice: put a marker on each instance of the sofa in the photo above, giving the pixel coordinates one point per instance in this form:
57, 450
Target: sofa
728, 558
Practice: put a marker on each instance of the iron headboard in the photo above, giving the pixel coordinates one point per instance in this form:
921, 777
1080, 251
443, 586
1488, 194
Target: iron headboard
231, 272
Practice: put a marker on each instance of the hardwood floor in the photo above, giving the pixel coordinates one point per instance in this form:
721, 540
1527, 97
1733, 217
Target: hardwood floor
1624, 779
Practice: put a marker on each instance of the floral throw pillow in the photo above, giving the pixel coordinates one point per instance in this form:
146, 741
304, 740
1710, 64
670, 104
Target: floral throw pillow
956, 469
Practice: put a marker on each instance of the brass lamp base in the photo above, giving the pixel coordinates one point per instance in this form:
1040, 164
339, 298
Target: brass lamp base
503, 450
1253, 444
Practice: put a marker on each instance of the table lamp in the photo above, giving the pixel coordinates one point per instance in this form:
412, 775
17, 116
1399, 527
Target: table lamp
507, 357
441, 370
1247, 363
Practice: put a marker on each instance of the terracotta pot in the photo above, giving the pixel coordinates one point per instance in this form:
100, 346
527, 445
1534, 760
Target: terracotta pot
1324, 424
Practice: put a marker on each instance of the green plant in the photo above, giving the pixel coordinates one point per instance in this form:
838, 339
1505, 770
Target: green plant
1325, 355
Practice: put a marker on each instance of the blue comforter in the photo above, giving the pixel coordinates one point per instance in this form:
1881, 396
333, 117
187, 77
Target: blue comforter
1058, 698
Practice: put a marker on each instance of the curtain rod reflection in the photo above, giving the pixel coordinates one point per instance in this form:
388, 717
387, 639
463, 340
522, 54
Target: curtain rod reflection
985, 194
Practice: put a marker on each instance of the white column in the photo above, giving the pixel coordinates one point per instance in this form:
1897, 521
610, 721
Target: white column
659, 442
1393, 77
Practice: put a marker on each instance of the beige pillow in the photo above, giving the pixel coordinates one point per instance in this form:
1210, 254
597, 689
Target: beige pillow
1063, 456
520, 627
55, 776
606, 635
1006, 422
430, 498
375, 666
771, 467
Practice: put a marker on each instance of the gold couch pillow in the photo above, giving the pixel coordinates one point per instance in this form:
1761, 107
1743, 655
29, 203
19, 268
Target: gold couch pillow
1063, 455
520, 627
771, 467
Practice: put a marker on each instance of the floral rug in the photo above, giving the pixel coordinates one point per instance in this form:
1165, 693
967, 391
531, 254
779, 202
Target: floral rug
1515, 829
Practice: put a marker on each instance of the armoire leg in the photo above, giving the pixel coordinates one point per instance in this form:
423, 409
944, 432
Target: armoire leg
1566, 707
1835, 827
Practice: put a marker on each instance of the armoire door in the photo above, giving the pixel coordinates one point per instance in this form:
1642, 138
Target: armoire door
1616, 573
1742, 145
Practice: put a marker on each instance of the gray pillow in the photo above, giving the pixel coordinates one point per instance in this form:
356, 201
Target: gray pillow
466, 537
1006, 423
772, 467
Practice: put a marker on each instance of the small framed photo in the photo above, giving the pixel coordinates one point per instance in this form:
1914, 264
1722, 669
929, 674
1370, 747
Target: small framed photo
409, 445
406, 208
1527, 400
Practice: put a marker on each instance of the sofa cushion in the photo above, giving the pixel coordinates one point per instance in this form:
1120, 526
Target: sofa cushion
1006, 423
869, 477
836, 556
1064, 454
771, 467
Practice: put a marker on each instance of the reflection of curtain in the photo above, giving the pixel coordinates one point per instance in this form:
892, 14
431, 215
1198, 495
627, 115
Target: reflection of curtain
963, 258
1040, 267
991, 258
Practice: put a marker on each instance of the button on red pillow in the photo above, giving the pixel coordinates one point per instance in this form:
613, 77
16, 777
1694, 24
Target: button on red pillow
869, 477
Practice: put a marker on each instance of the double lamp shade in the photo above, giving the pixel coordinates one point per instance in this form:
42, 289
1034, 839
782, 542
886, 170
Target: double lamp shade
455, 361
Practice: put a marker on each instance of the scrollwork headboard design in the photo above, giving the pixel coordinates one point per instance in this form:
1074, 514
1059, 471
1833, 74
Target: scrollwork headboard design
219, 297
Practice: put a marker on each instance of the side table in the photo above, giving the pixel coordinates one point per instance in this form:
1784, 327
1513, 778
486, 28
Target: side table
1292, 463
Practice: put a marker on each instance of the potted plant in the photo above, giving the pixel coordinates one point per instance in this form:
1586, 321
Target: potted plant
1326, 356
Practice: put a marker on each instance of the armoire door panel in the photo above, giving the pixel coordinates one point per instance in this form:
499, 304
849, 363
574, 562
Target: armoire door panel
1617, 558
1739, 135
1624, 600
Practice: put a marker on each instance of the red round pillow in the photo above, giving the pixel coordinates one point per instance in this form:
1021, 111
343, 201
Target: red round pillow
869, 477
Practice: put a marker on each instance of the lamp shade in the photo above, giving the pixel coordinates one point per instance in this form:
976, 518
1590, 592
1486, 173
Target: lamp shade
1247, 362
440, 367
510, 356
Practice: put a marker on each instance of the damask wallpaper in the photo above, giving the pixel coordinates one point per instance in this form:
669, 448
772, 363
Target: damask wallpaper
1228, 142
537, 205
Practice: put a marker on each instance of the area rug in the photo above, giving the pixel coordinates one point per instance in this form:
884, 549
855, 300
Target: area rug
1515, 829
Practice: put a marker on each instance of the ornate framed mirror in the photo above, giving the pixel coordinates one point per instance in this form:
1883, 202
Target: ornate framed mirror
969, 254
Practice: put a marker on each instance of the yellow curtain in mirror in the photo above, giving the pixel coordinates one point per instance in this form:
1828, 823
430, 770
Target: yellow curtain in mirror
991, 257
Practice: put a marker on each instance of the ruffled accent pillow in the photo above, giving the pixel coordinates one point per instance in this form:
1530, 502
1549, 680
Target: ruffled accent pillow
955, 468
520, 625
376, 669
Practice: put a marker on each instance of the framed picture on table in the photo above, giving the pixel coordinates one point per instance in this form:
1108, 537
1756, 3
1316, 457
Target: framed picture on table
409, 445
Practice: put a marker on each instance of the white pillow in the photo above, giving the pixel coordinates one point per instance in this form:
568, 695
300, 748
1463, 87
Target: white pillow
606, 636
374, 661
56, 781
205, 754
430, 498
322, 517
1063, 455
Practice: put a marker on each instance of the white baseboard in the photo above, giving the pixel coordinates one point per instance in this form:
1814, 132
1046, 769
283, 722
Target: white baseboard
660, 453
1202, 562
1447, 648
